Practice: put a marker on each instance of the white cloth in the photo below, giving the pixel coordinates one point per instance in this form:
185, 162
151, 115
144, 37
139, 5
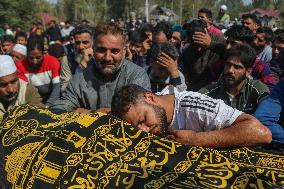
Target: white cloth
7, 65
20, 49
198, 112
65, 32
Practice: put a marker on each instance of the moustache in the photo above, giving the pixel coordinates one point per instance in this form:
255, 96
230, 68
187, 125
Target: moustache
229, 75
107, 63
11, 97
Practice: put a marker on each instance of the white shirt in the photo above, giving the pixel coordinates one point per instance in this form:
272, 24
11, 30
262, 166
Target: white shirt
198, 112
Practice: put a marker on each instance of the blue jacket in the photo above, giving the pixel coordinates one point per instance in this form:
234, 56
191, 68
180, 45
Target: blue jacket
270, 110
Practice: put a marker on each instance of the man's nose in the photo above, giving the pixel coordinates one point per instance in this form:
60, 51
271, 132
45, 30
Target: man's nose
108, 56
11, 88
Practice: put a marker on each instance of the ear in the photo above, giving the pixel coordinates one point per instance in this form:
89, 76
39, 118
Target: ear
248, 72
150, 98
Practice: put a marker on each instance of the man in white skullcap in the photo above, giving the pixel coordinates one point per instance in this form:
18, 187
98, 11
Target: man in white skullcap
19, 52
14, 91
223, 18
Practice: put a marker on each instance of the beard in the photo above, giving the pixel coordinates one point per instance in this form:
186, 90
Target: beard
8, 99
107, 69
231, 81
258, 48
78, 57
161, 115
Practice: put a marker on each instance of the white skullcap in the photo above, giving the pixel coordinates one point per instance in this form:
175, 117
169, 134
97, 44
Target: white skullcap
7, 65
224, 7
132, 14
20, 49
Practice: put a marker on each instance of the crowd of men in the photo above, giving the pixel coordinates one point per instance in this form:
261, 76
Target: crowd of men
199, 83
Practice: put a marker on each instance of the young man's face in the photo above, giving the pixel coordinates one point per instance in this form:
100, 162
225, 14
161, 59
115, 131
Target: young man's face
277, 47
204, 17
21, 40
259, 42
108, 53
234, 72
248, 22
7, 46
83, 41
176, 39
147, 117
35, 59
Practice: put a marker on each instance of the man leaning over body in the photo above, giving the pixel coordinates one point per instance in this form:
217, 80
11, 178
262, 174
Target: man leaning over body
188, 117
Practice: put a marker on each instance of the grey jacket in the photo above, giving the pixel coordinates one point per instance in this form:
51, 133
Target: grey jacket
86, 90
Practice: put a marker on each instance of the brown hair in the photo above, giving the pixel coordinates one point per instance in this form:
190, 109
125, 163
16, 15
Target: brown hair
107, 28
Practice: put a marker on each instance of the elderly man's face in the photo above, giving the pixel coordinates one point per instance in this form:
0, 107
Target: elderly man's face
17, 56
9, 88
108, 53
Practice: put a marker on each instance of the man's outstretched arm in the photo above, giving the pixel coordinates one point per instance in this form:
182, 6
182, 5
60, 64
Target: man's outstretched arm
244, 131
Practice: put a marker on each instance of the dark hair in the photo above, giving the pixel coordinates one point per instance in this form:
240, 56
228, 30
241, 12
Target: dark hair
278, 31
195, 25
269, 35
21, 34
56, 50
163, 27
207, 12
79, 29
167, 48
147, 27
241, 33
35, 43
279, 37
125, 97
178, 28
7, 38
253, 17
244, 53
137, 36
52, 21
107, 28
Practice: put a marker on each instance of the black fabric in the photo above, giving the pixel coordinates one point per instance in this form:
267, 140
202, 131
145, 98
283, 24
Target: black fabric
44, 149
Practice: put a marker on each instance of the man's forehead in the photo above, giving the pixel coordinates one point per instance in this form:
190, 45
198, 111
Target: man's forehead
83, 35
235, 60
132, 116
9, 77
114, 41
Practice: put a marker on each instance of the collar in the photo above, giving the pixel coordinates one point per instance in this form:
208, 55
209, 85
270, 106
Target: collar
242, 91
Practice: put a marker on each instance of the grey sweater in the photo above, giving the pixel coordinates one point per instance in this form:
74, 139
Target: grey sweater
87, 90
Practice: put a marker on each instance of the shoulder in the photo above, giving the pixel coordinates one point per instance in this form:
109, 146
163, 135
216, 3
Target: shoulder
130, 68
50, 60
197, 102
31, 89
211, 88
257, 86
